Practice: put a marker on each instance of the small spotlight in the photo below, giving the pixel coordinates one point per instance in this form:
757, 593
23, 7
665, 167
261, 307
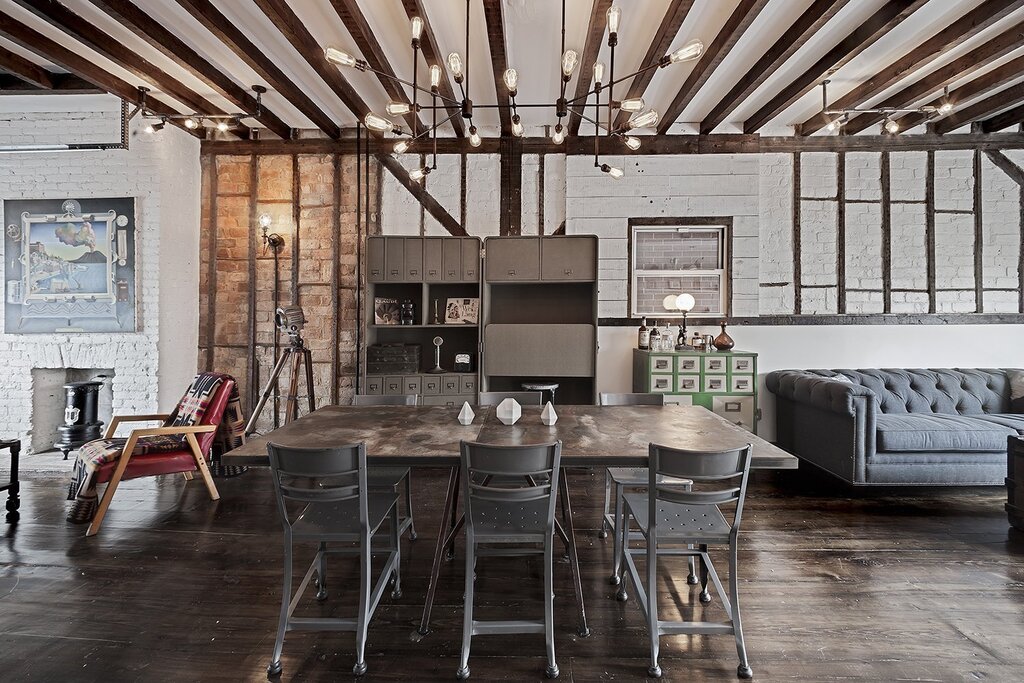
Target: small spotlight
613, 171
223, 126
265, 220
155, 127
892, 127
191, 123
946, 107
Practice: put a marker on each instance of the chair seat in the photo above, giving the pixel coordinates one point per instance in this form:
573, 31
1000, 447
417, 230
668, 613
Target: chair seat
681, 522
340, 521
639, 476
149, 465
501, 523
386, 477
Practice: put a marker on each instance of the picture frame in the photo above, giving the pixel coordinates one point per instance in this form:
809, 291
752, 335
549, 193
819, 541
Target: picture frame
386, 311
462, 311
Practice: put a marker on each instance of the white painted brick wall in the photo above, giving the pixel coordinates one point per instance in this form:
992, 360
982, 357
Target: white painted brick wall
141, 172
954, 180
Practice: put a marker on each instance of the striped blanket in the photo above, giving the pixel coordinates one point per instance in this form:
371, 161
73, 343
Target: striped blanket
190, 411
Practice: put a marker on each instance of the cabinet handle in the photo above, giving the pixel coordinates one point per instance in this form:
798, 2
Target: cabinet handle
433, 272
413, 272
394, 272
568, 271
511, 272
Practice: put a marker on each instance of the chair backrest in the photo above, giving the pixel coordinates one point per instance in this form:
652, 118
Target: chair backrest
527, 473
385, 400
526, 398
319, 475
212, 413
632, 399
713, 473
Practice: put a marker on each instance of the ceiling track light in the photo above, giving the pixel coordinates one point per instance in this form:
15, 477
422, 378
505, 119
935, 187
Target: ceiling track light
196, 120
838, 118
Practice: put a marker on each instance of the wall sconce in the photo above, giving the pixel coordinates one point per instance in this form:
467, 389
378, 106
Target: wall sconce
271, 240
683, 303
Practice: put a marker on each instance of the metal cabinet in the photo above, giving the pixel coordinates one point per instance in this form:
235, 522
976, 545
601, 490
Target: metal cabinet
564, 258
470, 260
413, 259
374, 384
452, 259
394, 259
375, 259
394, 385
431, 385
512, 259
432, 262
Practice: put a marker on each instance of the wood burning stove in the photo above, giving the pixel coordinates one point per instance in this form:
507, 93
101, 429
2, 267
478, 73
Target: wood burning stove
81, 421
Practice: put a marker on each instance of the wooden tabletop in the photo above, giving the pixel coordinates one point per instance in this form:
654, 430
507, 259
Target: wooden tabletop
592, 436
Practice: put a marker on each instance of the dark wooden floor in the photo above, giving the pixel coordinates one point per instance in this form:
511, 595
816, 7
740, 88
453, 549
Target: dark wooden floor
176, 588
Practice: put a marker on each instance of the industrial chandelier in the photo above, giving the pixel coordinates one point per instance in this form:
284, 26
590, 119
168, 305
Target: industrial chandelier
837, 118
460, 71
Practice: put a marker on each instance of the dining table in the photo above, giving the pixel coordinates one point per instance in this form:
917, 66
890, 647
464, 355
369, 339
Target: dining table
591, 436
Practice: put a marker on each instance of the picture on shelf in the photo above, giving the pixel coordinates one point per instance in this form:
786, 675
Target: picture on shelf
386, 311
463, 311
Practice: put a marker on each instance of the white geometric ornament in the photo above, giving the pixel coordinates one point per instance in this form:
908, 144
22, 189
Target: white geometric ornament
466, 415
508, 411
548, 416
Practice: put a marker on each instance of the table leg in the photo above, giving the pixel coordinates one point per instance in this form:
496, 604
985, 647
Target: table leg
13, 499
574, 559
444, 534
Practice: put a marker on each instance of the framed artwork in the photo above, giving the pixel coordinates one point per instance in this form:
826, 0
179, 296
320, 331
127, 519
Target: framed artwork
69, 265
386, 311
463, 311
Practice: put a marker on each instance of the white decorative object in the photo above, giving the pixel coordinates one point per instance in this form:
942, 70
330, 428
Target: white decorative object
509, 411
466, 415
548, 416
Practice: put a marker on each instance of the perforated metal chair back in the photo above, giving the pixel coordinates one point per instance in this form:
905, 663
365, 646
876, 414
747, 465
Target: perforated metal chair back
510, 477
385, 400
526, 398
714, 475
632, 399
319, 475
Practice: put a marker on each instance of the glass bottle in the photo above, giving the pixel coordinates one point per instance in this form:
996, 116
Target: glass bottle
643, 336
655, 338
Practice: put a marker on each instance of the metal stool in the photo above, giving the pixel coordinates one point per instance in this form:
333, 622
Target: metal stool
13, 488
541, 387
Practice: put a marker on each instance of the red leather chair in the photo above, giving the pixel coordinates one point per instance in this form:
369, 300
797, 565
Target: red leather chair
193, 456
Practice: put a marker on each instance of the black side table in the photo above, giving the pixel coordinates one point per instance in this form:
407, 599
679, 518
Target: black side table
13, 501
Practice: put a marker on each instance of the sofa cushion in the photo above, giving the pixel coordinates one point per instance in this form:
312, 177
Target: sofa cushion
1015, 422
940, 433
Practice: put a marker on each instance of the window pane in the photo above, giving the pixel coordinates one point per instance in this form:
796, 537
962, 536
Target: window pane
678, 250
651, 291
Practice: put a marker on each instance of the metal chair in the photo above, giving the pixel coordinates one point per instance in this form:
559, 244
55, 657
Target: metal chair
338, 508
390, 478
668, 516
526, 398
621, 478
520, 510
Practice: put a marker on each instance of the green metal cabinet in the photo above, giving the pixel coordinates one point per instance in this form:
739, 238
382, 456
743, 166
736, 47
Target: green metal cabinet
724, 382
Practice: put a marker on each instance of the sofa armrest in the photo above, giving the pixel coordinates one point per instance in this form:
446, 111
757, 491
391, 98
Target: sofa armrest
843, 398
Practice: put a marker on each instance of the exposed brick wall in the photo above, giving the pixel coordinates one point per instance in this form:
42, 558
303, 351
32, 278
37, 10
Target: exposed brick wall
319, 227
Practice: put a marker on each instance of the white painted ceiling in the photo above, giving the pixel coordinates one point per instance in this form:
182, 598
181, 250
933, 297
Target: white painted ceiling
532, 44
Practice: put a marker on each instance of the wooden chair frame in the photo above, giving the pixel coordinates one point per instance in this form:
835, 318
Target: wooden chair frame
129, 447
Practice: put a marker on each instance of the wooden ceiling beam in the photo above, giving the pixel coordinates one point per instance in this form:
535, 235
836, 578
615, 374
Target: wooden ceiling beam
61, 84
735, 26
499, 60
809, 23
1010, 117
987, 82
27, 71
159, 37
426, 200
352, 17
591, 49
964, 28
667, 31
432, 54
259, 61
980, 111
877, 25
88, 34
956, 70
51, 51
291, 27
1006, 165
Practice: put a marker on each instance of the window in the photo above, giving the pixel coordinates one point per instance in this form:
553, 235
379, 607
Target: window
677, 259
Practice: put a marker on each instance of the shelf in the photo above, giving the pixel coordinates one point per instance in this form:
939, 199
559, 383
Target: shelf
424, 327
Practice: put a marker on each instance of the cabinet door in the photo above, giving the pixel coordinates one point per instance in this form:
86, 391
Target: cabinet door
394, 386
470, 260
452, 259
568, 258
394, 258
375, 259
414, 259
512, 259
432, 259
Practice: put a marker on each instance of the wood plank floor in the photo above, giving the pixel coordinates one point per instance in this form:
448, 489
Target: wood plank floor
928, 586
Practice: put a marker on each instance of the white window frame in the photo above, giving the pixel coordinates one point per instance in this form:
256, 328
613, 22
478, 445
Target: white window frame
682, 227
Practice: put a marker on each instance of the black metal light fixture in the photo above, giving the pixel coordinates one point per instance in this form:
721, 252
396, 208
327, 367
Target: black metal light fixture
562, 107
837, 118
221, 122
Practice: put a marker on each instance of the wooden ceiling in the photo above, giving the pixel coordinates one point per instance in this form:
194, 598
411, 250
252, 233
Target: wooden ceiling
763, 63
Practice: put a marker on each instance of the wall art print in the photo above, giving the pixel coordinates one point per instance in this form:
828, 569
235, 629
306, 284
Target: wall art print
69, 265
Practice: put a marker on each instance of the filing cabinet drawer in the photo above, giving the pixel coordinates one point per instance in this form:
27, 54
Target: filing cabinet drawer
431, 385
394, 259
452, 259
451, 384
736, 409
661, 364
374, 385
454, 400
469, 384
688, 364
414, 259
715, 365
470, 260
742, 384
413, 384
394, 386
679, 400
716, 384
742, 364
688, 384
662, 384
432, 259
375, 259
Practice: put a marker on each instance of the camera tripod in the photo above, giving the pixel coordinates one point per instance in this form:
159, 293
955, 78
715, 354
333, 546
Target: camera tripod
299, 355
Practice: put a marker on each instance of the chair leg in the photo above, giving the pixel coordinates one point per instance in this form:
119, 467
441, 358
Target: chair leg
274, 667
408, 505
188, 476
396, 545
623, 545
549, 605
204, 471
705, 596
108, 495
653, 670
607, 506
743, 670
321, 573
467, 610
363, 622
574, 558
616, 576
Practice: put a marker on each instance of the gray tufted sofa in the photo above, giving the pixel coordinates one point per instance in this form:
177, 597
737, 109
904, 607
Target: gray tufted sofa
940, 427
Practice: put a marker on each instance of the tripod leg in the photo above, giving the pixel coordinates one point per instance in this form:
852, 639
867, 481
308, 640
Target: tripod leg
291, 411
267, 391
308, 358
